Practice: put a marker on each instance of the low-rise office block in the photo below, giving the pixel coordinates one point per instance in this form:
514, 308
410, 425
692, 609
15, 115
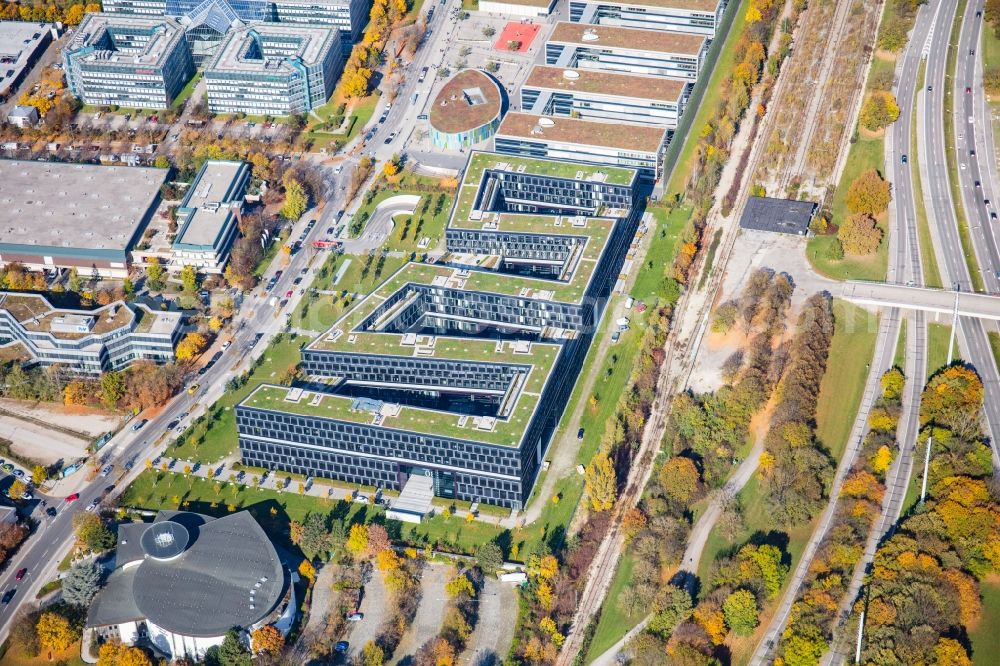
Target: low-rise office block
592, 94
700, 17
586, 141
86, 341
57, 215
538, 8
21, 45
460, 372
630, 50
274, 69
208, 217
131, 61
467, 110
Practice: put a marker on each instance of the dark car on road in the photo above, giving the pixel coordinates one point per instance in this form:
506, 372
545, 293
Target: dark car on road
8, 595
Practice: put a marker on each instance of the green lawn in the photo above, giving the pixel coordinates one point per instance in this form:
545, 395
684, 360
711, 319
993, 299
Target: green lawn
851, 352
899, 358
614, 623
664, 244
706, 108
186, 91
431, 215
71, 657
986, 635
208, 440
362, 112
928, 257
865, 153
937, 347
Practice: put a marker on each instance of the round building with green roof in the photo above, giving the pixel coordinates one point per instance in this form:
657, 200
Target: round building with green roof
467, 110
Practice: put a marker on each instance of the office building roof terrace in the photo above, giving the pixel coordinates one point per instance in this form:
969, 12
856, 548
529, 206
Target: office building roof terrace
633, 39
639, 138
468, 100
600, 82
272, 47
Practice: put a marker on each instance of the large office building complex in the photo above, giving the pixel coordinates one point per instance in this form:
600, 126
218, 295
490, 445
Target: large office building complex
455, 375
132, 61
586, 141
592, 94
207, 21
208, 217
274, 69
21, 45
59, 215
85, 341
629, 50
700, 17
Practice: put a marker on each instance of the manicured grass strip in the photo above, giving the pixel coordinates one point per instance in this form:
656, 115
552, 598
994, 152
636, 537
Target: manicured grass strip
899, 358
949, 148
614, 623
995, 346
928, 257
664, 244
937, 347
986, 634
843, 383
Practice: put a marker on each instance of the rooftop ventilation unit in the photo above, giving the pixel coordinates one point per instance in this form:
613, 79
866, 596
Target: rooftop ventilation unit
572, 74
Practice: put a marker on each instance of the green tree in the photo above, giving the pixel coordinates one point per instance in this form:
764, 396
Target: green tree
740, 610
112, 388
296, 200
91, 532
154, 274
232, 652
73, 282
372, 654
189, 278
489, 557
129, 288
161, 162
81, 583
38, 475
673, 607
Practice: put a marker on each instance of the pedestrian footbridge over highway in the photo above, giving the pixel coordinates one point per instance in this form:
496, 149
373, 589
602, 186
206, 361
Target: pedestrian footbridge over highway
943, 301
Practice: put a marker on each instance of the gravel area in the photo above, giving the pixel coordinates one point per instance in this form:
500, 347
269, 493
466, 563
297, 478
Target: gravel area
494, 632
430, 613
375, 607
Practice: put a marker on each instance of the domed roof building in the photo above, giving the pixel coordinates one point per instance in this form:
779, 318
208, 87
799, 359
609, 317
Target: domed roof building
182, 582
467, 110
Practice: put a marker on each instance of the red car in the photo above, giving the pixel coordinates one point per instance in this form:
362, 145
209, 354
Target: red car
73, 497
288, 294
20, 574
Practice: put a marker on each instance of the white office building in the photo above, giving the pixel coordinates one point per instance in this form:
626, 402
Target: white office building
208, 218
592, 94
630, 50
699, 17
274, 69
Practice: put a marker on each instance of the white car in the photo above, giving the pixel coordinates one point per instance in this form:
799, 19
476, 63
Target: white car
225, 345
93, 505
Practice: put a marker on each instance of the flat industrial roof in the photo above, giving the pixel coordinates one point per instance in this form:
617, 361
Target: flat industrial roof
639, 138
63, 205
785, 216
601, 82
281, 43
635, 39
525, 3
687, 5
35, 313
19, 40
210, 202
470, 99
98, 30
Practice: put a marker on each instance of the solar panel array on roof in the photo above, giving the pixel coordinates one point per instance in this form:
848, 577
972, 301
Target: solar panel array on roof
783, 216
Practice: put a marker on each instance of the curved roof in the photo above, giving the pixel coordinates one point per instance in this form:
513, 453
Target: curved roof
198, 580
468, 100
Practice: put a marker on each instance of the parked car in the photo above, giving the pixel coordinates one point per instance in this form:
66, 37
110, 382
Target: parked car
51, 511
139, 425
340, 647
93, 505
579, 433
107, 470
353, 617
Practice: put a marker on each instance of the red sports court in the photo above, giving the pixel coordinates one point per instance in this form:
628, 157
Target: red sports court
517, 32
